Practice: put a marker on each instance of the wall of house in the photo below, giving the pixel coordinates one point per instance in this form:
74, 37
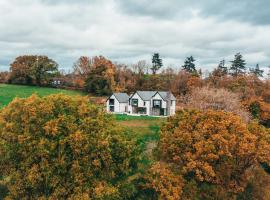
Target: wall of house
140, 104
158, 97
123, 107
116, 104
172, 109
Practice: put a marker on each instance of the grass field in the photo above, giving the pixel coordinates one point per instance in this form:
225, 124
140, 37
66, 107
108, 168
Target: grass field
146, 131
9, 92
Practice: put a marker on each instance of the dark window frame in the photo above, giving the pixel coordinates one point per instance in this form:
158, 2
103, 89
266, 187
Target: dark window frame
134, 104
155, 105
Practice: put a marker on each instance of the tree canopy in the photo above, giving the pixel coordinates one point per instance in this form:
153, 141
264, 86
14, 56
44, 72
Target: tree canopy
156, 63
238, 66
58, 147
31, 69
189, 65
208, 149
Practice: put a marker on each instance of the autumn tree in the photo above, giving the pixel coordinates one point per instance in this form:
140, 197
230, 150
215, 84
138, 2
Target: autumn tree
30, 69
256, 71
238, 66
189, 65
101, 78
213, 151
206, 98
156, 63
82, 66
59, 147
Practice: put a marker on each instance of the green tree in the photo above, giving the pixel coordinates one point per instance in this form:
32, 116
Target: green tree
60, 147
256, 71
157, 63
31, 69
238, 66
189, 65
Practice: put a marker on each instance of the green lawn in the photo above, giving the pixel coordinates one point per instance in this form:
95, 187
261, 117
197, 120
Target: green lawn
9, 92
146, 131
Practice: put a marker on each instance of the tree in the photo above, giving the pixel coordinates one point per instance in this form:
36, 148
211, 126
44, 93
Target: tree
82, 66
206, 98
59, 147
189, 65
238, 66
221, 70
212, 151
33, 70
157, 63
101, 78
256, 71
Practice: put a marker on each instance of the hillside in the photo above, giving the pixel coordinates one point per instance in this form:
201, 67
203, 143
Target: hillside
9, 92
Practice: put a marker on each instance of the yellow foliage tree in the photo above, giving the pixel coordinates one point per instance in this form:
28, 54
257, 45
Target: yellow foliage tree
59, 147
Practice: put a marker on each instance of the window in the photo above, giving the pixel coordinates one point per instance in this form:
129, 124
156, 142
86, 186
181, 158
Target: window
171, 102
157, 103
111, 108
134, 102
111, 102
141, 110
144, 103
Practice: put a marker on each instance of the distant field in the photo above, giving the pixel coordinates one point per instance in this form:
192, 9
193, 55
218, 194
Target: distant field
9, 92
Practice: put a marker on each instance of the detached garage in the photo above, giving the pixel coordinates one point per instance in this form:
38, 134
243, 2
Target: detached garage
117, 103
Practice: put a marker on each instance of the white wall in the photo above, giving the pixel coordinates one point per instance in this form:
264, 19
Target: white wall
116, 104
158, 97
173, 105
140, 104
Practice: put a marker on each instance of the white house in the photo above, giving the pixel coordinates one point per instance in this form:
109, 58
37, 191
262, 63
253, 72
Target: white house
152, 103
117, 103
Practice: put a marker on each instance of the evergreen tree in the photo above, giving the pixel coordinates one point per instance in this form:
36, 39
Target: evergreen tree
238, 66
157, 63
189, 65
256, 71
223, 69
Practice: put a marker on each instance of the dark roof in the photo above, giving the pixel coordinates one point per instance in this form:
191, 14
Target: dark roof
147, 95
121, 97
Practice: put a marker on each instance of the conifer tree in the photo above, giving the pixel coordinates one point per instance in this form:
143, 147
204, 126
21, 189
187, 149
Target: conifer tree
238, 66
256, 71
157, 63
189, 65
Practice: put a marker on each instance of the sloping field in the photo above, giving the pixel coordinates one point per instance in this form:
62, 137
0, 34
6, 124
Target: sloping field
9, 92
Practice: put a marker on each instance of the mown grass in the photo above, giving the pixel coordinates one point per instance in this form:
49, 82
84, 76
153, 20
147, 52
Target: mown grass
9, 92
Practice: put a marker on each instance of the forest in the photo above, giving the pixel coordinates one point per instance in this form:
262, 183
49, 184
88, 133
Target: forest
217, 146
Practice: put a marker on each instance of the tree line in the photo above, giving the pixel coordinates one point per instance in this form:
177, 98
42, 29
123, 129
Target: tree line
100, 76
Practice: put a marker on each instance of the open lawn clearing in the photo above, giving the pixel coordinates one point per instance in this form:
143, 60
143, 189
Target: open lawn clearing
9, 92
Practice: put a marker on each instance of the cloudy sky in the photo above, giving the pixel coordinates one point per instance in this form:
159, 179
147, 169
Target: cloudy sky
131, 30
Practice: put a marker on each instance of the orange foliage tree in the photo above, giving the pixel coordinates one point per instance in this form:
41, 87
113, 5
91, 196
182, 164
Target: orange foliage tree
212, 149
59, 147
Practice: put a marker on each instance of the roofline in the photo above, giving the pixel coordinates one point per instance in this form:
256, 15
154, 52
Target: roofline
116, 97
138, 95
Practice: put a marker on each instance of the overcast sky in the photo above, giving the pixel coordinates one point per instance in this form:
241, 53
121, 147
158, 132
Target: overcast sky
131, 30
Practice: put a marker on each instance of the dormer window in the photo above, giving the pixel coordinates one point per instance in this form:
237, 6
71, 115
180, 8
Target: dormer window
111, 102
157, 103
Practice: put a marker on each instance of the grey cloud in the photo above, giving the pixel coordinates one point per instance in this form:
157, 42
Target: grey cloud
250, 11
131, 30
